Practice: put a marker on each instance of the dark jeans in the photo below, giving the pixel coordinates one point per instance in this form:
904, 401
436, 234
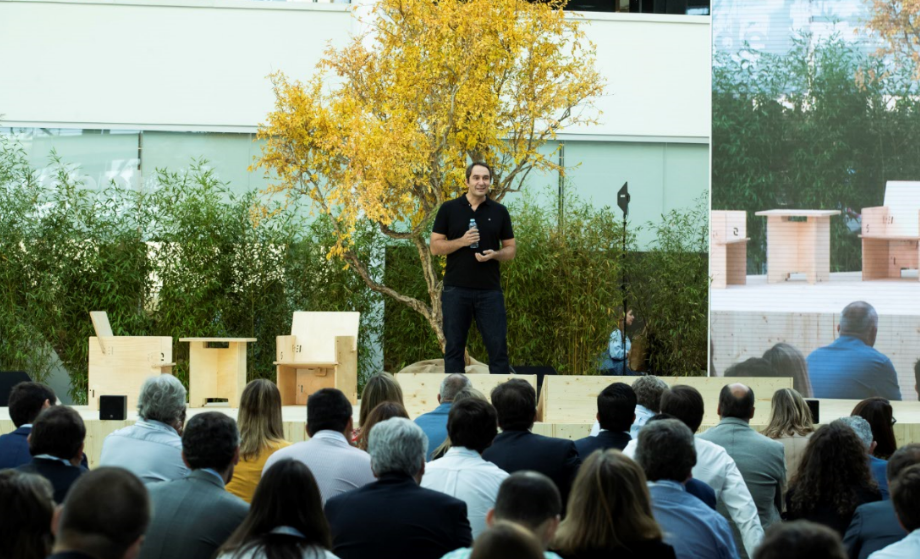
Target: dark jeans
460, 306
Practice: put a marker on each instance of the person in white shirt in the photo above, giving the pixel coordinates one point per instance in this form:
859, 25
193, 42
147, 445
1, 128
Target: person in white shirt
462, 473
714, 466
648, 391
905, 495
337, 466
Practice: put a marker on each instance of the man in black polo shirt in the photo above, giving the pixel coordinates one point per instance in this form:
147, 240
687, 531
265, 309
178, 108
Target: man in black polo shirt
472, 283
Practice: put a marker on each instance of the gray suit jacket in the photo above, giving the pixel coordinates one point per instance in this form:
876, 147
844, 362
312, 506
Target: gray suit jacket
874, 527
192, 517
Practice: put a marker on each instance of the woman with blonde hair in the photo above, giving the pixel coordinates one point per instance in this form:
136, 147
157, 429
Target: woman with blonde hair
790, 424
261, 435
787, 361
610, 513
380, 388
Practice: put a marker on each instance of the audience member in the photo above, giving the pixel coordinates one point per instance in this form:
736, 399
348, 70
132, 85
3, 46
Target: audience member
917, 377
394, 517
261, 435
800, 539
380, 388
877, 467
25, 532
648, 391
434, 423
151, 449
195, 515
616, 411
790, 424
528, 499
104, 517
516, 448
504, 540
875, 525
286, 518
787, 361
26, 401
851, 368
666, 453
877, 411
695, 487
832, 480
468, 392
336, 465
462, 473
56, 444
610, 513
383, 411
905, 494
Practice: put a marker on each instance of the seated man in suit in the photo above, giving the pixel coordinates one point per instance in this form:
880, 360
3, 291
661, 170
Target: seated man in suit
395, 518
877, 466
105, 517
195, 515
516, 448
875, 525
616, 411
905, 495
434, 423
26, 401
56, 444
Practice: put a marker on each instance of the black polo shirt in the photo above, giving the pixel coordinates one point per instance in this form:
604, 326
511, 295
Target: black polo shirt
494, 224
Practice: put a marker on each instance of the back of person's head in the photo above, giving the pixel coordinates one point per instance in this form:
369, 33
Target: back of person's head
105, 515
259, 418
736, 400
859, 319
516, 404
800, 539
504, 540
451, 385
787, 361
210, 440
666, 451
752, 367
162, 399
684, 403
397, 446
328, 409
26, 401
861, 427
472, 424
648, 391
470, 392
58, 431
616, 407
609, 506
905, 496
877, 411
917, 376
789, 416
286, 516
380, 388
528, 498
904, 457
383, 411
25, 532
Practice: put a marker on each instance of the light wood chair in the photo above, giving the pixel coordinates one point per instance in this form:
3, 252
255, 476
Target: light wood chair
728, 248
216, 372
891, 233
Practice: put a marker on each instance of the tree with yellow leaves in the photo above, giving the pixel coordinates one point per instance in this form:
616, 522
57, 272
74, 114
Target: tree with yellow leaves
898, 24
386, 127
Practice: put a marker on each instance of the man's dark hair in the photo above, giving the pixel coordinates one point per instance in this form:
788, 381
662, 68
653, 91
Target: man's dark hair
666, 451
472, 424
106, 511
903, 458
528, 498
210, 440
26, 401
753, 367
469, 169
516, 404
58, 431
328, 409
741, 408
684, 403
905, 496
616, 407
800, 539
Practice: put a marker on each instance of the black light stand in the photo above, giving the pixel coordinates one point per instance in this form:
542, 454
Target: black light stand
623, 203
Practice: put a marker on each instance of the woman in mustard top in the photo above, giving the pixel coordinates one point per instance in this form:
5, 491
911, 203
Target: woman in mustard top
261, 435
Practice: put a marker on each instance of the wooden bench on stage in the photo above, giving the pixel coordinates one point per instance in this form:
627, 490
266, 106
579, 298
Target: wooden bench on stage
216, 372
321, 352
420, 390
728, 248
891, 233
119, 365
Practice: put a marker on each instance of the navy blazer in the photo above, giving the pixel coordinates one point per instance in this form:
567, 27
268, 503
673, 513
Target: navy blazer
874, 526
14, 448
61, 475
603, 441
395, 518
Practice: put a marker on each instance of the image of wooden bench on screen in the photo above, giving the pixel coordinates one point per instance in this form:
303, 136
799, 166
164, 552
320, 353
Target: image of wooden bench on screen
728, 248
798, 241
321, 352
891, 233
216, 370
119, 365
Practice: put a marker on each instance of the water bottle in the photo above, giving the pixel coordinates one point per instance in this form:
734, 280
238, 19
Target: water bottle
473, 226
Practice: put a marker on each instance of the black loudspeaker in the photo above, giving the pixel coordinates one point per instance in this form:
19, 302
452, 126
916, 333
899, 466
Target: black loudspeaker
9, 379
113, 407
814, 406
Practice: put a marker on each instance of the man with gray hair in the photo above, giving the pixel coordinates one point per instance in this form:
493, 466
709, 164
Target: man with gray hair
877, 466
434, 423
851, 368
151, 449
395, 518
648, 391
